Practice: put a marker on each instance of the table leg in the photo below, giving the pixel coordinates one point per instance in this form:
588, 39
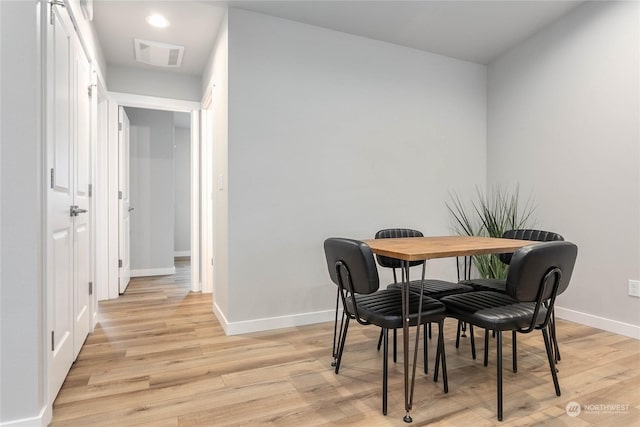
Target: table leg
405, 338
409, 387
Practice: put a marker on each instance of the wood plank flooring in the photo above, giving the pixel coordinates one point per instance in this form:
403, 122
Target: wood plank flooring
160, 358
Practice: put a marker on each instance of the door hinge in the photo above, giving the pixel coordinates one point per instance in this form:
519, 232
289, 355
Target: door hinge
52, 177
119, 195
54, 3
90, 89
90, 190
119, 263
53, 343
90, 288
119, 126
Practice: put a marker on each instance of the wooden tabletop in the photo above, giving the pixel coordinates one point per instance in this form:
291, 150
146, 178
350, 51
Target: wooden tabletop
421, 248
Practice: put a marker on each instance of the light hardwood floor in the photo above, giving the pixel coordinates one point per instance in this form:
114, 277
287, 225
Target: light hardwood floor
160, 358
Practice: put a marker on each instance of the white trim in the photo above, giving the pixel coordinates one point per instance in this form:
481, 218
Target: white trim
609, 325
41, 420
266, 324
195, 201
181, 253
168, 104
153, 272
154, 102
112, 199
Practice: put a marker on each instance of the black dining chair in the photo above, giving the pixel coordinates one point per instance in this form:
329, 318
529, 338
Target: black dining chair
499, 285
353, 269
537, 274
432, 288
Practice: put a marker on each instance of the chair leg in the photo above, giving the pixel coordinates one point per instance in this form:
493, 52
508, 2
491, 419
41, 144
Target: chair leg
499, 372
552, 365
442, 356
426, 350
343, 336
429, 330
486, 347
514, 351
380, 338
437, 364
473, 342
336, 338
458, 334
385, 368
554, 335
395, 345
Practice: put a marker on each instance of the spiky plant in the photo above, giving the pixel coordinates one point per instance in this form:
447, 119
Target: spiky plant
491, 216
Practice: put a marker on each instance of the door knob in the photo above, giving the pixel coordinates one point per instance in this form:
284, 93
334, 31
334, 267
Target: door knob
74, 210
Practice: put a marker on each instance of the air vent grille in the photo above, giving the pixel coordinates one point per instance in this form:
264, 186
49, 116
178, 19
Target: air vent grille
158, 54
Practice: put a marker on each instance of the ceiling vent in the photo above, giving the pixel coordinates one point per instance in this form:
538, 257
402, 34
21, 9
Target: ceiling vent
158, 54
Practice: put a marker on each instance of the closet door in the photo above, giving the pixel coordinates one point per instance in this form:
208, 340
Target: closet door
68, 241
60, 225
81, 202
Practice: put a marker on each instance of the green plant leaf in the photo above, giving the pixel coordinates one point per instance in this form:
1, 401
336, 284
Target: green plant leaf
491, 214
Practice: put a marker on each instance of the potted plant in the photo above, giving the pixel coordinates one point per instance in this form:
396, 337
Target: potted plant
491, 215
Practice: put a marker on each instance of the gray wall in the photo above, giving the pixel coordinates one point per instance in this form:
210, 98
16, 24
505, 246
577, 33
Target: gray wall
564, 122
336, 135
216, 76
154, 83
22, 345
182, 205
152, 188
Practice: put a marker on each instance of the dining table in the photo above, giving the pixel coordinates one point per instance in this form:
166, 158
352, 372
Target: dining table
409, 249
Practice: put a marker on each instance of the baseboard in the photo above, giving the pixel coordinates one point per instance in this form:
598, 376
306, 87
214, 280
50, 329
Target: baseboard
181, 253
153, 272
609, 325
42, 420
270, 323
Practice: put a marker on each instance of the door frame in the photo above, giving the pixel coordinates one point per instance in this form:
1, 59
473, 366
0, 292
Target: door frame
117, 99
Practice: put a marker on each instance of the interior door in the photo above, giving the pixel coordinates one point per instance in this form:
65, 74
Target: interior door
60, 231
125, 202
81, 201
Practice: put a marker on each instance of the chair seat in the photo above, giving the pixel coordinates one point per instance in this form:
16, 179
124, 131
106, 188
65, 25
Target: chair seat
495, 285
384, 308
435, 288
492, 310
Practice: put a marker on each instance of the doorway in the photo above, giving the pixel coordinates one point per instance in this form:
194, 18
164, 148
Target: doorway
168, 106
159, 190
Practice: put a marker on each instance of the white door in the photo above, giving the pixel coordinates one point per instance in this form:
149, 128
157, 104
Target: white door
125, 203
60, 231
81, 202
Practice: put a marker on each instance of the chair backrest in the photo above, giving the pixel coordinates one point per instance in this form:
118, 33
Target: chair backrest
528, 234
530, 268
388, 233
355, 258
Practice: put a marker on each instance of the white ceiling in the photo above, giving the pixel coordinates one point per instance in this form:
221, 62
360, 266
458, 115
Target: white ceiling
476, 31
194, 25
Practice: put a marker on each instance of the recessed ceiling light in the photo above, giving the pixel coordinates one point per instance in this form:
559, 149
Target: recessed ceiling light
157, 21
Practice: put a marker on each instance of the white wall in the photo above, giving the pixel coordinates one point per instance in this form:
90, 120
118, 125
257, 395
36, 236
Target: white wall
336, 135
182, 180
216, 76
154, 83
152, 189
22, 338
564, 121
